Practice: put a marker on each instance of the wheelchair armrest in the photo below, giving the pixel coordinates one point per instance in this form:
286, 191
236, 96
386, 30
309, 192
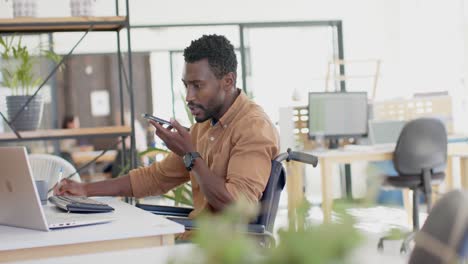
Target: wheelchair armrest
165, 210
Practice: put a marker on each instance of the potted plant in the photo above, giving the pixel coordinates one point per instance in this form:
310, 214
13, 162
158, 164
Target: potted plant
17, 69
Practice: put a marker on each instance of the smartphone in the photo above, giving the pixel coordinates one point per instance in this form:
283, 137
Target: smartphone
156, 119
159, 120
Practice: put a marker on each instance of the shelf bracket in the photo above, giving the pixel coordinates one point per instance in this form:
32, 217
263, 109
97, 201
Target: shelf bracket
11, 126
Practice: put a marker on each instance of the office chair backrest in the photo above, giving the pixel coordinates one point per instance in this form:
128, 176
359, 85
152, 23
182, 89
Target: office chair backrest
422, 145
444, 236
47, 167
270, 198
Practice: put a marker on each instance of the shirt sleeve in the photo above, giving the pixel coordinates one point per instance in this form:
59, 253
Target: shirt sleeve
159, 177
249, 167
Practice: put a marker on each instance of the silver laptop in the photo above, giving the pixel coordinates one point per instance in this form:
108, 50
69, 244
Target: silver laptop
385, 132
19, 200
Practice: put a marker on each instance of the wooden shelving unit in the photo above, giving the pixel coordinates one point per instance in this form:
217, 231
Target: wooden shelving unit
79, 24
62, 24
54, 134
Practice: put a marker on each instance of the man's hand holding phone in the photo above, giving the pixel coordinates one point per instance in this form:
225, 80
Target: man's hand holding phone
156, 119
160, 120
176, 137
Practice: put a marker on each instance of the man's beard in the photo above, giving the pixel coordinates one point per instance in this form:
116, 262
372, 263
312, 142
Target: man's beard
207, 113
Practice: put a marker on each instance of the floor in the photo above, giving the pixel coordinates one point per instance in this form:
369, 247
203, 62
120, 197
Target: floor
373, 223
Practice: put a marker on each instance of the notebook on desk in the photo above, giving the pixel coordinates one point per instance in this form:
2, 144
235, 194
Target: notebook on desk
19, 200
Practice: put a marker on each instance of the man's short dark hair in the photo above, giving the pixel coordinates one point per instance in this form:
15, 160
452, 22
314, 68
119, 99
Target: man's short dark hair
217, 49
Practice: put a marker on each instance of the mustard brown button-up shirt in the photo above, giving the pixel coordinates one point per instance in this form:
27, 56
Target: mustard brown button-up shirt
239, 148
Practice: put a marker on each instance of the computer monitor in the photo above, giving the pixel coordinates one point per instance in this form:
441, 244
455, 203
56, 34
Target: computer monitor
339, 114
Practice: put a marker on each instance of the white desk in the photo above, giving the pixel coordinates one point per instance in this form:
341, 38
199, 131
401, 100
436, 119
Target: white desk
183, 253
365, 253
159, 255
132, 229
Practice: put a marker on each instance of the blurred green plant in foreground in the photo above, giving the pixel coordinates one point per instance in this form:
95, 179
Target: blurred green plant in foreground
224, 239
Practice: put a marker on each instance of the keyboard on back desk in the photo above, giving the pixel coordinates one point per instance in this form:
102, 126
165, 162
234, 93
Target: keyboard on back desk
80, 204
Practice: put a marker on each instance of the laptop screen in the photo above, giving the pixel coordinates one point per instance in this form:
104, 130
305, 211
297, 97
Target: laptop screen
385, 132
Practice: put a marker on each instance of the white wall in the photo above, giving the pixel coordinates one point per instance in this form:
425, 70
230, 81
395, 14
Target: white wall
371, 26
422, 43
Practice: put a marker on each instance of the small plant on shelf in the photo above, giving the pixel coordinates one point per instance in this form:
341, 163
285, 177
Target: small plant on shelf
17, 67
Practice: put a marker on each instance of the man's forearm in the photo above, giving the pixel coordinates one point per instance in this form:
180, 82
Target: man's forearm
212, 186
116, 187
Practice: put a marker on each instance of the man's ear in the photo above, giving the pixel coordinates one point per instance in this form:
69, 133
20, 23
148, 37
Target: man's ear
229, 81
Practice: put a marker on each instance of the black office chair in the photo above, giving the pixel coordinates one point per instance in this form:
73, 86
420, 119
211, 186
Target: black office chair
444, 236
263, 225
420, 159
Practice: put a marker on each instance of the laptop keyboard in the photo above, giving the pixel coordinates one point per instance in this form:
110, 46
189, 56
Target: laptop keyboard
79, 204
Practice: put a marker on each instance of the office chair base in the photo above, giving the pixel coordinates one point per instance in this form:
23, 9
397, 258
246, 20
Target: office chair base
406, 242
405, 245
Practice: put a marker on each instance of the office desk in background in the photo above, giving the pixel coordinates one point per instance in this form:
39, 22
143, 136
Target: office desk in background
80, 158
133, 228
83, 157
329, 158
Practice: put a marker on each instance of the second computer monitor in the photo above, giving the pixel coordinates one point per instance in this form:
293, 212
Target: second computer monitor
339, 114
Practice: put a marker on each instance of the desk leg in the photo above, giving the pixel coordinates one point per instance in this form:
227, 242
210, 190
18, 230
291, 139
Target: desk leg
449, 174
327, 191
408, 204
464, 172
295, 187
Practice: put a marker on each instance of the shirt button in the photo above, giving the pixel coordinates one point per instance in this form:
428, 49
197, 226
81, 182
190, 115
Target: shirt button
211, 138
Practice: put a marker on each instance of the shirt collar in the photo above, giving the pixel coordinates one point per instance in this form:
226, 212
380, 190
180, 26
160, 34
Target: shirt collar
230, 114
